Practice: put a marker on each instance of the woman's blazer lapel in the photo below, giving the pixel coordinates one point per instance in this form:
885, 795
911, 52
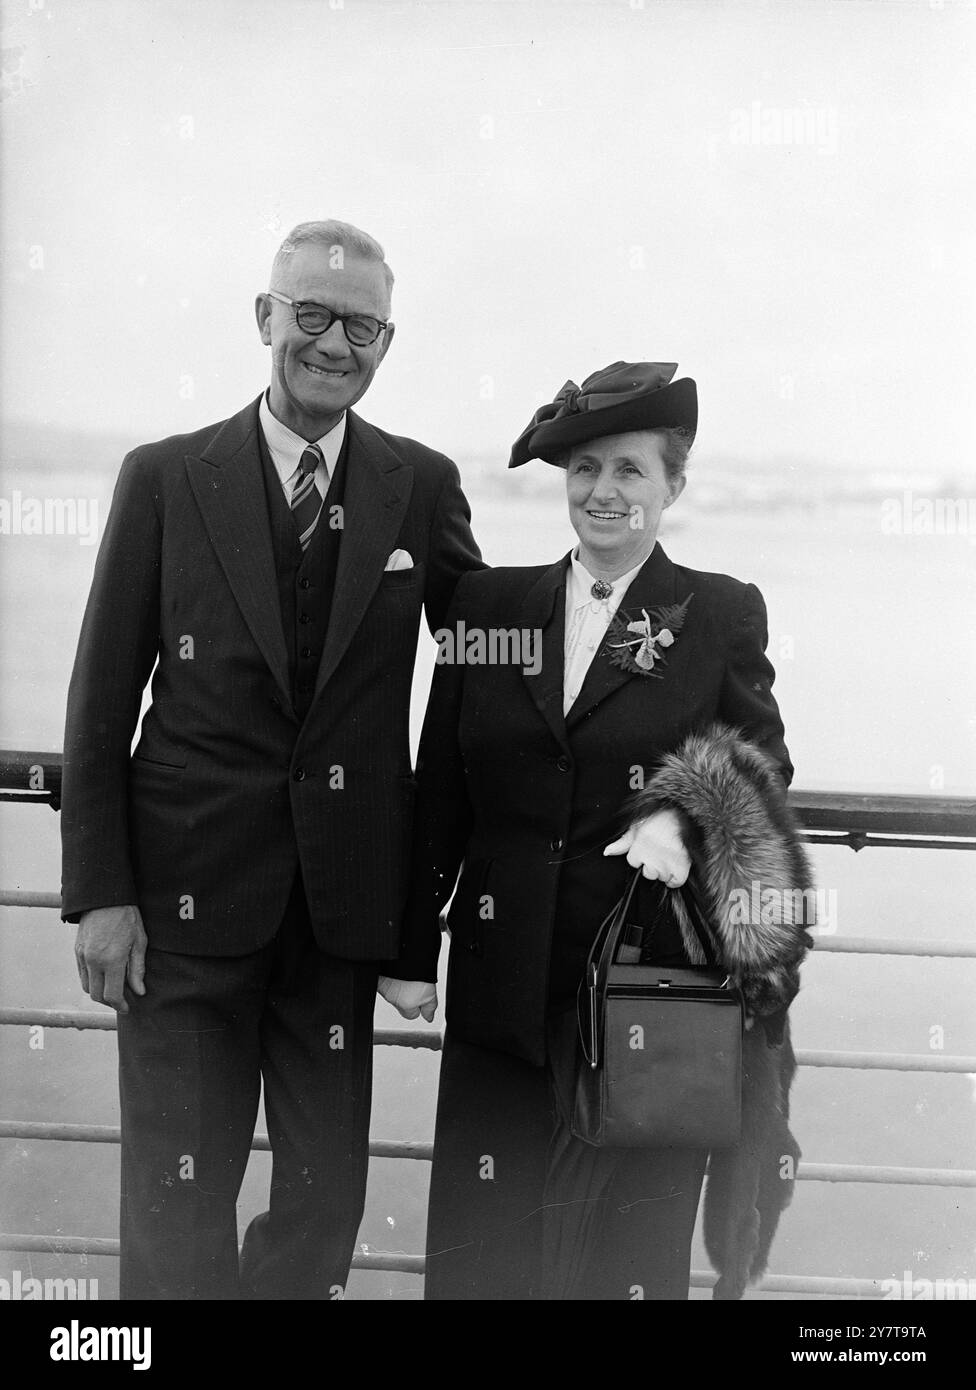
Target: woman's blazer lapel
544, 610
654, 586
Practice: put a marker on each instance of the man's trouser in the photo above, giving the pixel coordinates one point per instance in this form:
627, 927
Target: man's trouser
192, 1053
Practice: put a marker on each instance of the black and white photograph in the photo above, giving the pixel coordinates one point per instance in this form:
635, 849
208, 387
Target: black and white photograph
487, 716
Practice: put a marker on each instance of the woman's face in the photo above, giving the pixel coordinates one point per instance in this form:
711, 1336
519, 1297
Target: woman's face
617, 488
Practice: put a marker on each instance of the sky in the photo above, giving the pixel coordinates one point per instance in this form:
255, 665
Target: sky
776, 196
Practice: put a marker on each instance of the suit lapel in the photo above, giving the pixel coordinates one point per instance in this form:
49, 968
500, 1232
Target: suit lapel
228, 483
378, 488
544, 608
653, 586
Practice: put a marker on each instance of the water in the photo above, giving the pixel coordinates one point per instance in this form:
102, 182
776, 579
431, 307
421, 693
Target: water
871, 635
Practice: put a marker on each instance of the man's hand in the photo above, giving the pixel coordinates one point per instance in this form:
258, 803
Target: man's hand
410, 998
655, 845
110, 951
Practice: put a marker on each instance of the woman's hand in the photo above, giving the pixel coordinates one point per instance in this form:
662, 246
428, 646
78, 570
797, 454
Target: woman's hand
655, 845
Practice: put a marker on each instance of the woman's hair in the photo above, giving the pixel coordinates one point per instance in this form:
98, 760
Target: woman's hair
675, 447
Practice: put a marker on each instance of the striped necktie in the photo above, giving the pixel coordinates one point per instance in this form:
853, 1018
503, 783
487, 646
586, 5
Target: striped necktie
306, 500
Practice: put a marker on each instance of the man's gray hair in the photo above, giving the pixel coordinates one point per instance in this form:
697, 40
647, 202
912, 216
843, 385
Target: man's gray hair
331, 233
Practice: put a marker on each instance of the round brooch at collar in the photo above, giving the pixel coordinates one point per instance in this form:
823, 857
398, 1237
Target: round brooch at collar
601, 589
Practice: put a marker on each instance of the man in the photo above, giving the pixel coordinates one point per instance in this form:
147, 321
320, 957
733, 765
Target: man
238, 880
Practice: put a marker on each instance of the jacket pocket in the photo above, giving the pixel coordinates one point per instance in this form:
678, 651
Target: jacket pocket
472, 907
401, 579
158, 762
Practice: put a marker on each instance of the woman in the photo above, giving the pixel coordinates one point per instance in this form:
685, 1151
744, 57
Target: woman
636, 726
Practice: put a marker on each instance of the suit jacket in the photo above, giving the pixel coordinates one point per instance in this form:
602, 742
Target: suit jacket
528, 799
228, 793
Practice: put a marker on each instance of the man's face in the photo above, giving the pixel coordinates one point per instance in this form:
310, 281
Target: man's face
313, 380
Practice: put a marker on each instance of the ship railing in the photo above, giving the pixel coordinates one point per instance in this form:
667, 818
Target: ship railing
847, 819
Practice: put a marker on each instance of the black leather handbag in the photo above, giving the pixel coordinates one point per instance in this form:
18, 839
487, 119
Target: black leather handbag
662, 1047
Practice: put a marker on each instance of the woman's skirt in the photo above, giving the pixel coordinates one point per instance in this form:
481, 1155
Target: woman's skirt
519, 1209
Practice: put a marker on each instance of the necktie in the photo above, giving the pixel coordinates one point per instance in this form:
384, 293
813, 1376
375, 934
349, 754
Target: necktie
306, 500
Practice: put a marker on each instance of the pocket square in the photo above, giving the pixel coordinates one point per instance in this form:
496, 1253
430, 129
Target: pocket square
400, 560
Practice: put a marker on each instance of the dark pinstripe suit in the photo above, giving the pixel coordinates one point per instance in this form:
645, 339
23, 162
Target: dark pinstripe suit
233, 812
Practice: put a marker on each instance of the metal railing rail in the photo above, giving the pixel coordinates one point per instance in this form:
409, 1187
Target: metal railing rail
85, 1021
813, 1285
424, 1152
856, 945
859, 820
852, 820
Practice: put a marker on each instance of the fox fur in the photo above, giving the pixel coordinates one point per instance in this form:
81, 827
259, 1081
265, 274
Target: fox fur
743, 840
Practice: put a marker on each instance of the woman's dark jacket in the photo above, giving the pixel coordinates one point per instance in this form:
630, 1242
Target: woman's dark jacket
528, 800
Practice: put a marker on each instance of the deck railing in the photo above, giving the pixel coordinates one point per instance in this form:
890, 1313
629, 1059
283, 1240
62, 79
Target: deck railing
853, 820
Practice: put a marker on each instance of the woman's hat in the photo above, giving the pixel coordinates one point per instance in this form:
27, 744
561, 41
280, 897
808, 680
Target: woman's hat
624, 396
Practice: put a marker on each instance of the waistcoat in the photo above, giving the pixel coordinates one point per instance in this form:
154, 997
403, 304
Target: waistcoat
306, 582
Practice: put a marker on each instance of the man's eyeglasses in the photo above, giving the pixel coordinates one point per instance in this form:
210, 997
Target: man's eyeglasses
314, 319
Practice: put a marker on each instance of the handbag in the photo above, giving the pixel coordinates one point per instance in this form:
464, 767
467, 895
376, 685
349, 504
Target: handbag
662, 1047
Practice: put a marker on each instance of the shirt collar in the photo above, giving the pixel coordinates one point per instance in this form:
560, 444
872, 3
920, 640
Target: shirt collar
579, 582
286, 447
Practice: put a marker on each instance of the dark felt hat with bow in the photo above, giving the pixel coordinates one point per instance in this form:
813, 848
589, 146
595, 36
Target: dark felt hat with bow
624, 396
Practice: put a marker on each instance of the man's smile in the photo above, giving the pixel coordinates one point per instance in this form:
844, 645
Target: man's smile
324, 371
605, 516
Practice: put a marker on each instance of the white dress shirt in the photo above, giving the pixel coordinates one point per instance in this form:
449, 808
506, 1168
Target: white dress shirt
587, 620
286, 449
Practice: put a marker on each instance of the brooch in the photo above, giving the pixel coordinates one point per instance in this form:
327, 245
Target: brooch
636, 645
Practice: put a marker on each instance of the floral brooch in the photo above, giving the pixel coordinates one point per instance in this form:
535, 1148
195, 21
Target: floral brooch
636, 645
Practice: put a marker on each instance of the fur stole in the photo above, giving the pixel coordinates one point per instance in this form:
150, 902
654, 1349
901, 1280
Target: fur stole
756, 883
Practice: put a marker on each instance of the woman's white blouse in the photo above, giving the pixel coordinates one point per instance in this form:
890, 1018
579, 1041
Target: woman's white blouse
587, 620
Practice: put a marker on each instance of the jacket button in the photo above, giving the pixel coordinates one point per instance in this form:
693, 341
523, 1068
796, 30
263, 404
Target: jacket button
556, 843
299, 774
303, 583
304, 618
473, 947
564, 764
275, 702
305, 653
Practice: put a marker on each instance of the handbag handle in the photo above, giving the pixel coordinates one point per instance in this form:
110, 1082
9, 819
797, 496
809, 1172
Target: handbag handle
592, 987
698, 917
595, 973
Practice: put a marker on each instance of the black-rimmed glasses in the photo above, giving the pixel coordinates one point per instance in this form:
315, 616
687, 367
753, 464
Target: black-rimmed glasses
314, 319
